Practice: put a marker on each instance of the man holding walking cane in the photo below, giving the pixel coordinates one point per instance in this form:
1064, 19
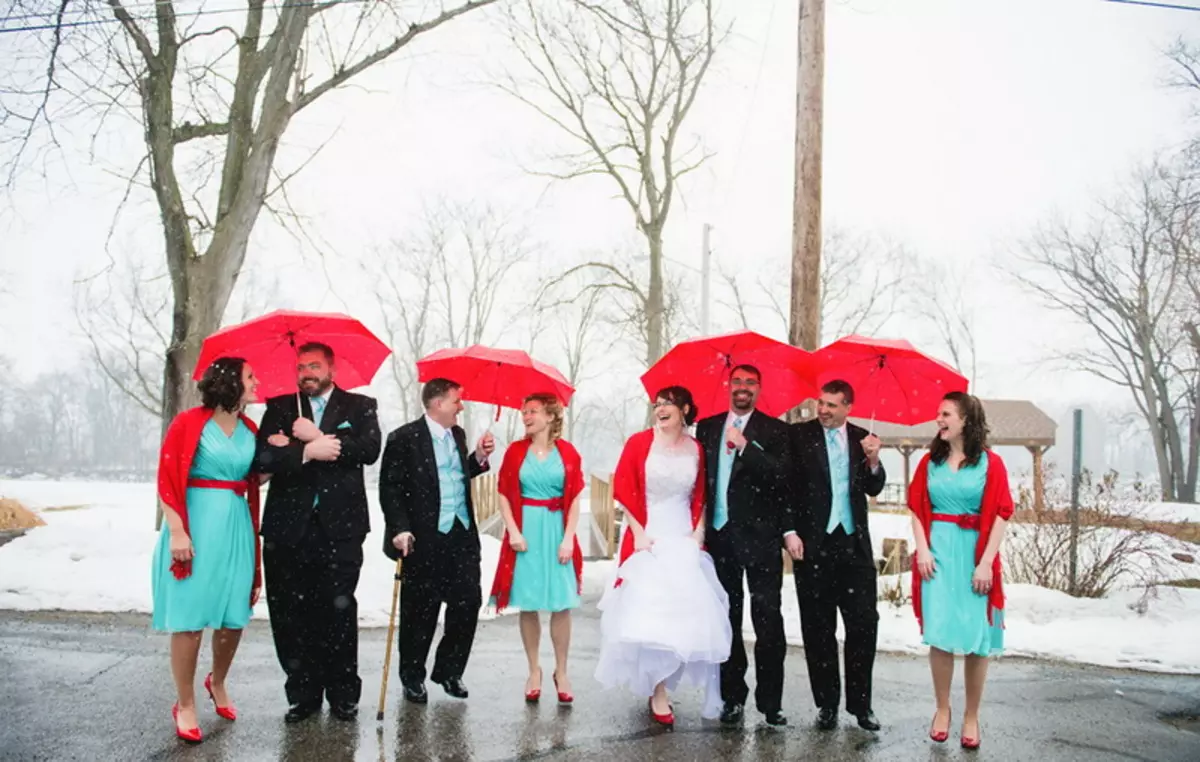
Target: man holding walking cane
425, 493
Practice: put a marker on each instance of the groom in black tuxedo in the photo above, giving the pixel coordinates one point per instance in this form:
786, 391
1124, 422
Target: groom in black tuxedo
315, 445
425, 493
747, 515
837, 467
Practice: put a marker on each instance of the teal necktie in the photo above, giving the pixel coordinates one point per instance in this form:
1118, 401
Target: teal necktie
724, 471
318, 408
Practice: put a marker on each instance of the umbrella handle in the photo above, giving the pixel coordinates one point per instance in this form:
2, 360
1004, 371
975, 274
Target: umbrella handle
497, 418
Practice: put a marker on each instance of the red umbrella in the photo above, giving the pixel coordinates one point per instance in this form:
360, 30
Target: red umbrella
502, 377
893, 381
703, 366
269, 344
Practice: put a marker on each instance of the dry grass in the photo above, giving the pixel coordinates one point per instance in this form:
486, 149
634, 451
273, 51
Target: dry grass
13, 515
64, 508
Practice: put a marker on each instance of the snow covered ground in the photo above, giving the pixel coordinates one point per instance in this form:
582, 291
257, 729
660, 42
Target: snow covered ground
97, 558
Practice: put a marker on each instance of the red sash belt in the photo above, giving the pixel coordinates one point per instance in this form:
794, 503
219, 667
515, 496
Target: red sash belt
963, 520
553, 503
239, 488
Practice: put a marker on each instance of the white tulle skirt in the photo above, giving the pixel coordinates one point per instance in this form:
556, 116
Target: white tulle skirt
667, 621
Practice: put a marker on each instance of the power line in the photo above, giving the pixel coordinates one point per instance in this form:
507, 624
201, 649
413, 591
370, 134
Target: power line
178, 14
78, 11
1151, 4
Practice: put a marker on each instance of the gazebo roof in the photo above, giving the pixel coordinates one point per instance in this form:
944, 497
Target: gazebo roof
1012, 423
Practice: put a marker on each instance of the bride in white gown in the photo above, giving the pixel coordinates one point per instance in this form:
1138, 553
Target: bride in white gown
666, 619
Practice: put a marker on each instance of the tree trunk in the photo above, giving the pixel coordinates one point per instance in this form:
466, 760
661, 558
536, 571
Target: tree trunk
654, 298
201, 296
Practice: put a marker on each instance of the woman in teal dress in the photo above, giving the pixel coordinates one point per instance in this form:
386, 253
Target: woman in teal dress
960, 502
540, 567
205, 568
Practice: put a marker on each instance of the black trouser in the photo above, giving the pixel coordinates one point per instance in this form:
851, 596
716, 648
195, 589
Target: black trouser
449, 576
764, 578
839, 575
314, 615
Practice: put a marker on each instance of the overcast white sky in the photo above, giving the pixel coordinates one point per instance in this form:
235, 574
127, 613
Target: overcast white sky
951, 127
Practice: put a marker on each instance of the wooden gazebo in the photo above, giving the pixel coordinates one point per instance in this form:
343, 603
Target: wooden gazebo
1012, 423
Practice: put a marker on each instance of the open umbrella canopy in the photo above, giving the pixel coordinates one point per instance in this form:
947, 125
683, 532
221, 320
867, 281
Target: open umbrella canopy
270, 343
703, 365
893, 380
501, 377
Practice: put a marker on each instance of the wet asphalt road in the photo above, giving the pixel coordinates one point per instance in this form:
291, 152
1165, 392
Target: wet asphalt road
89, 687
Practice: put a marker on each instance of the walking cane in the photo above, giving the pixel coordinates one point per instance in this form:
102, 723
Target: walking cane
387, 657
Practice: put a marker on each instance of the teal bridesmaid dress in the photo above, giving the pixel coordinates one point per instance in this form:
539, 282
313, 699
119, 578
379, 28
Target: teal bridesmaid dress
955, 615
217, 593
540, 582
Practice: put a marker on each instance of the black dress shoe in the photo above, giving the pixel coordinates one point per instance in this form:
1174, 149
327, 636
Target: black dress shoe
827, 718
776, 718
344, 711
454, 687
868, 721
416, 694
732, 714
300, 712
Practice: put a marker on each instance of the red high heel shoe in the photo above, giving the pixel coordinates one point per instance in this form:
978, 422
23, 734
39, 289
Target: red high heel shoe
941, 735
191, 736
971, 744
531, 697
563, 698
228, 712
667, 719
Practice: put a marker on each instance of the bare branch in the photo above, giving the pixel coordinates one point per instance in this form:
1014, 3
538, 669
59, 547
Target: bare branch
344, 74
619, 80
1125, 278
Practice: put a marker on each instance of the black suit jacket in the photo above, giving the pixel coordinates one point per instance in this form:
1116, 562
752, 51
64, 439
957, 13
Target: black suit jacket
813, 489
760, 509
295, 484
410, 494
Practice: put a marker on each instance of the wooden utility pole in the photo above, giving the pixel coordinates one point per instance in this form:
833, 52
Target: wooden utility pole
805, 328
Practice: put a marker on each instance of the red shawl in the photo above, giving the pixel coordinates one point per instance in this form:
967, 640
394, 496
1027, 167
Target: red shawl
509, 485
175, 463
996, 503
629, 486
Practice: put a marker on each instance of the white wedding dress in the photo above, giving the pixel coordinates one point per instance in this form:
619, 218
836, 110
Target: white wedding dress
669, 618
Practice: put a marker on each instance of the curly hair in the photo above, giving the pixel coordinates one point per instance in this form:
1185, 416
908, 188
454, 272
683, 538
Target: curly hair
681, 398
553, 408
221, 386
975, 430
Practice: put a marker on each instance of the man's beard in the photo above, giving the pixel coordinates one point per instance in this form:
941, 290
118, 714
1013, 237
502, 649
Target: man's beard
322, 386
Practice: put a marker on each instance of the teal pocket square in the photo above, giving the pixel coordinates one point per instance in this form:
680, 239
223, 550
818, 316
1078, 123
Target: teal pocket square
344, 425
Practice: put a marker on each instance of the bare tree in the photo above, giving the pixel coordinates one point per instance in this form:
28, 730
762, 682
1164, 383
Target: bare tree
1126, 277
941, 299
124, 314
577, 336
619, 79
212, 105
402, 279
440, 284
623, 299
862, 283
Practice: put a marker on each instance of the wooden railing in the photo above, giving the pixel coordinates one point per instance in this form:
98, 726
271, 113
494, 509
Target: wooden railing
485, 496
605, 515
